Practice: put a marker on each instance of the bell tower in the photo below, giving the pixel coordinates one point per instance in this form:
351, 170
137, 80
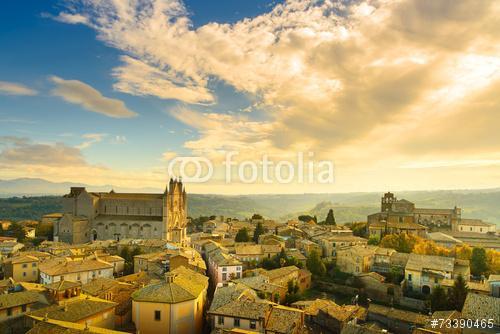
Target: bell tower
174, 212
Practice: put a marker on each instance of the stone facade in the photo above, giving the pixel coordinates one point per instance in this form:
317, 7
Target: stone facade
89, 216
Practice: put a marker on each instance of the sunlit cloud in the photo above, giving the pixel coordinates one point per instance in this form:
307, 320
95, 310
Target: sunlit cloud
12, 88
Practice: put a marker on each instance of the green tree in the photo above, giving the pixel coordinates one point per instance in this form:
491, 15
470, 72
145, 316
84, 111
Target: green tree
307, 218
373, 240
330, 218
458, 293
242, 235
315, 265
438, 299
478, 261
256, 216
15, 230
258, 231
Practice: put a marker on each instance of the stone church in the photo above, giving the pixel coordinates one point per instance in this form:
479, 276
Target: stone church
89, 216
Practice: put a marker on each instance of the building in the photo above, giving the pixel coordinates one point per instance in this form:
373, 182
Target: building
49, 326
15, 305
494, 282
401, 216
99, 215
58, 269
444, 240
223, 267
475, 226
356, 259
22, 268
173, 306
332, 242
424, 272
395, 320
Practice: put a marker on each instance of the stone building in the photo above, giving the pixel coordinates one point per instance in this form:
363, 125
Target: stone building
401, 216
89, 216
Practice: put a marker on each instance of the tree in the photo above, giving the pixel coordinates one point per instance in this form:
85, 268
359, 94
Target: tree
258, 231
438, 299
256, 216
330, 218
458, 293
242, 235
315, 265
403, 243
373, 241
307, 218
478, 262
15, 230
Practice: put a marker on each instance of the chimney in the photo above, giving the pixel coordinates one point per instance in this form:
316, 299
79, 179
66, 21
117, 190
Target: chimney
169, 277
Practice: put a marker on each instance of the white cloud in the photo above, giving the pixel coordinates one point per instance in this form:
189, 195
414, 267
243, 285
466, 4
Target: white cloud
167, 156
90, 139
12, 88
119, 139
77, 92
71, 18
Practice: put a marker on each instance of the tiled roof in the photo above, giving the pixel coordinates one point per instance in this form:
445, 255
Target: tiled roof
419, 262
283, 319
74, 311
99, 285
439, 236
50, 326
18, 298
259, 283
248, 249
223, 259
63, 285
21, 259
185, 285
478, 306
280, 272
62, 266
474, 222
406, 316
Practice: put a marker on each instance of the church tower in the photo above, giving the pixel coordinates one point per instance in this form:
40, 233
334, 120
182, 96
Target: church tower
174, 212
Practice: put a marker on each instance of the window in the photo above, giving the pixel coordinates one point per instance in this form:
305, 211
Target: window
253, 324
436, 280
238, 275
33, 264
224, 269
224, 276
220, 320
34, 272
409, 277
23, 308
25, 265
9, 312
236, 322
471, 229
157, 315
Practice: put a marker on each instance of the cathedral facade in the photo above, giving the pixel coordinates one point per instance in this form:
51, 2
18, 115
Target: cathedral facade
89, 216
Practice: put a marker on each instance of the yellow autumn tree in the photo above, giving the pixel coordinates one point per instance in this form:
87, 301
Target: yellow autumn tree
493, 258
428, 247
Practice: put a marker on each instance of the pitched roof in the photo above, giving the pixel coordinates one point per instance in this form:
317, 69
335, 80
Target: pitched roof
63, 285
18, 298
406, 316
61, 266
280, 272
21, 259
75, 310
420, 262
51, 326
181, 284
478, 306
474, 222
283, 319
248, 249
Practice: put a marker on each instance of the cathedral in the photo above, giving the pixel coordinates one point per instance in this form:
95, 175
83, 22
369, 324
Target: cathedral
89, 216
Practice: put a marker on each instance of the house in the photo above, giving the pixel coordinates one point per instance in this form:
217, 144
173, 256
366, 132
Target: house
116, 261
281, 276
223, 267
191, 260
50, 326
307, 246
174, 305
22, 268
377, 289
480, 307
63, 290
423, 272
382, 260
236, 306
329, 316
15, 305
475, 226
297, 255
115, 291
356, 259
58, 269
396, 320
248, 253
494, 282
284, 320
265, 289
331, 243
9, 247
83, 310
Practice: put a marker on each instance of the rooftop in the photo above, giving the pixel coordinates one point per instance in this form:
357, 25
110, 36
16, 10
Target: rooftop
283, 319
18, 298
61, 266
478, 306
181, 284
420, 262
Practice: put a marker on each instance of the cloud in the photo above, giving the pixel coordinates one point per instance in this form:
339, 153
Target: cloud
372, 84
70, 18
166, 156
91, 138
11, 88
22, 151
77, 92
119, 139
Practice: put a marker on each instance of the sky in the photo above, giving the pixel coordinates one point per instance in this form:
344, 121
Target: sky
396, 95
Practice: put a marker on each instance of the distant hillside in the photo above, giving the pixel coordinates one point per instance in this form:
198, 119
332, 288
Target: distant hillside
483, 204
